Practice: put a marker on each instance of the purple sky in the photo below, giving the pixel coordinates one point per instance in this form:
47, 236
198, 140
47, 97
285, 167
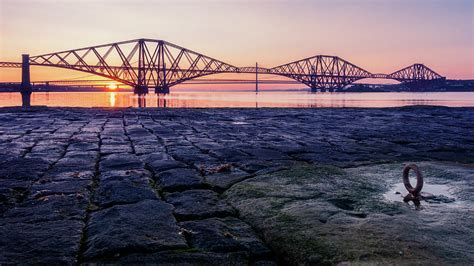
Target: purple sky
380, 36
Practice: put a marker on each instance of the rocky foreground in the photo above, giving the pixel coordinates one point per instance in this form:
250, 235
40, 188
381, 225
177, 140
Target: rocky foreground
233, 186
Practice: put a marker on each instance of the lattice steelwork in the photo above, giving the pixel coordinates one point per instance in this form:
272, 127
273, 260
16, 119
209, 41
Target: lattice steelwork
147, 63
417, 76
10, 64
322, 72
141, 63
415, 72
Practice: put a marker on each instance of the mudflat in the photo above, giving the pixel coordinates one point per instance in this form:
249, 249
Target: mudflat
234, 186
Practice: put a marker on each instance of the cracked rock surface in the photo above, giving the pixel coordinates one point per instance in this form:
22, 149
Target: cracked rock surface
192, 186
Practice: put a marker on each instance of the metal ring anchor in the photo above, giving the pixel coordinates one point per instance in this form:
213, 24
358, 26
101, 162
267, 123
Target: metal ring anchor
419, 179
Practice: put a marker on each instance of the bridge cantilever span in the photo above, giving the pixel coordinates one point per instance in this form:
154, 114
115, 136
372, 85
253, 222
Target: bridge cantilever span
322, 72
140, 63
417, 76
156, 64
379, 76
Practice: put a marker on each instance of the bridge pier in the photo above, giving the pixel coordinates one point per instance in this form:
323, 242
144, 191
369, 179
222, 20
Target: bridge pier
141, 101
25, 88
140, 90
162, 89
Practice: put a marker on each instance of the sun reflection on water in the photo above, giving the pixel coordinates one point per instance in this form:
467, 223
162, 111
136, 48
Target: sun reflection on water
177, 99
112, 98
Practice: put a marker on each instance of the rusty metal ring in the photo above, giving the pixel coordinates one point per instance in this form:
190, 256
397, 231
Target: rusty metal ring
419, 179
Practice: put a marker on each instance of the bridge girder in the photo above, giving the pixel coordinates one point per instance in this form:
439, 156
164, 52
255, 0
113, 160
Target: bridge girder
322, 72
141, 63
417, 76
147, 63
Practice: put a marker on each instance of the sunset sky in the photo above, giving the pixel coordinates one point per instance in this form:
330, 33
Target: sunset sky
380, 36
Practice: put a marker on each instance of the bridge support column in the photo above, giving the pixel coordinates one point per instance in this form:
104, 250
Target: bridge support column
25, 89
140, 90
162, 90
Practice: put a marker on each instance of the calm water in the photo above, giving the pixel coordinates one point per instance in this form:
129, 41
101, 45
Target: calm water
243, 99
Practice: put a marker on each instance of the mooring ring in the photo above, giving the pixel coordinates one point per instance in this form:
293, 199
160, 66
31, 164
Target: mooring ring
419, 179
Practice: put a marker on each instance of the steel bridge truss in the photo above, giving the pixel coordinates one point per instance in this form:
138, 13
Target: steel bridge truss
141, 63
146, 64
322, 72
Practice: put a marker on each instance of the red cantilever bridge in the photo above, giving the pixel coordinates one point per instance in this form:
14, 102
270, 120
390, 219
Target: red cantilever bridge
156, 64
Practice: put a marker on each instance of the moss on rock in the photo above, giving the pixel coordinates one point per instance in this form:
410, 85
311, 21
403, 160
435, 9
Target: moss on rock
313, 214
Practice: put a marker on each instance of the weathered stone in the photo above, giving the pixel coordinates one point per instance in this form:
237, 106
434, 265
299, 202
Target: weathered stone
48, 208
194, 157
225, 179
52, 242
48, 174
198, 204
11, 191
141, 227
48, 157
83, 146
125, 191
120, 162
179, 179
267, 154
229, 154
224, 235
318, 215
45, 187
179, 257
161, 162
111, 149
23, 169
253, 166
78, 163
61, 174
134, 175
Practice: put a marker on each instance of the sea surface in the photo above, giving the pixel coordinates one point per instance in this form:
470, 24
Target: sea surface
201, 99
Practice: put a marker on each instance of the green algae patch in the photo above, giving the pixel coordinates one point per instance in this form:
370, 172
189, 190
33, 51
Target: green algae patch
313, 214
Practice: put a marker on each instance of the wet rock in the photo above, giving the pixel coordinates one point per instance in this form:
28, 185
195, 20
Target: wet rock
198, 204
322, 214
315, 216
224, 235
48, 208
141, 227
224, 180
111, 149
65, 174
124, 191
50, 158
121, 161
267, 154
180, 257
23, 169
52, 242
195, 157
228, 154
161, 162
253, 166
46, 187
179, 179
83, 146
134, 175
146, 149
11, 192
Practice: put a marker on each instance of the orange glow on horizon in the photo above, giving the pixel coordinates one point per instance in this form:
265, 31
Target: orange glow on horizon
112, 86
